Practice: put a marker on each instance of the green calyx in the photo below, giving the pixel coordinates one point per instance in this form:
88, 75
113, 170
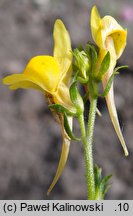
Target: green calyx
76, 98
66, 113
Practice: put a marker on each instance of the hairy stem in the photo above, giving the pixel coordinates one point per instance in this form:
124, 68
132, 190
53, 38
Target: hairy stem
87, 139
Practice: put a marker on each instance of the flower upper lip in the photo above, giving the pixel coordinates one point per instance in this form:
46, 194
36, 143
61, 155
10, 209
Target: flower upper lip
101, 28
47, 73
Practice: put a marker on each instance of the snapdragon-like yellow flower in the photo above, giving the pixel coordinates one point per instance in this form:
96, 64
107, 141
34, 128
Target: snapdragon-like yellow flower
50, 75
109, 36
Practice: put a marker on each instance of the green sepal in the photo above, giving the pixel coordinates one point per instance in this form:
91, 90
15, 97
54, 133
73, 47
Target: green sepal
91, 51
61, 109
109, 84
104, 66
101, 184
77, 77
76, 98
68, 129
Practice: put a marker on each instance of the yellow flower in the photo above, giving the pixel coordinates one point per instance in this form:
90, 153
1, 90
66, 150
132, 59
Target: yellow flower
109, 36
50, 75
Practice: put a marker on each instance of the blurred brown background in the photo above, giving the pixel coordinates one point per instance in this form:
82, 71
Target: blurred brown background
30, 140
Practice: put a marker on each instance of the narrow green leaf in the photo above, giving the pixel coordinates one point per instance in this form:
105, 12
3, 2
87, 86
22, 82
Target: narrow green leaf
121, 67
105, 190
101, 183
109, 84
92, 53
59, 108
76, 98
106, 179
104, 186
68, 129
104, 66
97, 171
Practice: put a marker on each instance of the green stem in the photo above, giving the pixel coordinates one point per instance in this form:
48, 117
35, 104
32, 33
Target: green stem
87, 139
89, 150
82, 128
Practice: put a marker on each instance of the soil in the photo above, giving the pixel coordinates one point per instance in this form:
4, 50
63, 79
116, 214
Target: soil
30, 139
